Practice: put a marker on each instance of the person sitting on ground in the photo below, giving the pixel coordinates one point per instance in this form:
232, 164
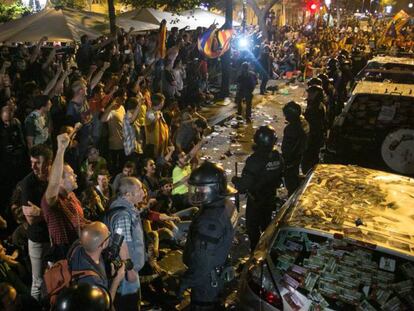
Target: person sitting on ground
150, 178
93, 157
128, 170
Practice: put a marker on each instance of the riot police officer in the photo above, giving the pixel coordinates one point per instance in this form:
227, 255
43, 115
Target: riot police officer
332, 71
209, 238
295, 136
315, 114
347, 77
246, 83
261, 176
329, 90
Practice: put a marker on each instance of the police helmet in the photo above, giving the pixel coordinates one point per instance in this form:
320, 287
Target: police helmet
83, 297
324, 78
314, 81
315, 93
265, 137
343, 53
332, 63
245, 66
94, 235
292, 111
208, 184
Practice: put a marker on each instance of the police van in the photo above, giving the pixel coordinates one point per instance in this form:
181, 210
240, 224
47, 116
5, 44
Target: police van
375, 129
343, 241
388, 69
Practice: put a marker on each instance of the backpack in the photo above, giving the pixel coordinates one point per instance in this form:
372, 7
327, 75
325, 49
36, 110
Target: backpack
59, 276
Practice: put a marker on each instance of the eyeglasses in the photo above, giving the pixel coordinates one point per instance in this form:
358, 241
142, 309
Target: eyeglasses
106, 239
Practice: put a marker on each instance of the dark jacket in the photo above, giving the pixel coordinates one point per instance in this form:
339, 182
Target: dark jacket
209, 240
295, 137
80, 260
261, 176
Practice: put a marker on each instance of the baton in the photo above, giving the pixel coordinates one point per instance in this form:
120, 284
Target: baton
237, 196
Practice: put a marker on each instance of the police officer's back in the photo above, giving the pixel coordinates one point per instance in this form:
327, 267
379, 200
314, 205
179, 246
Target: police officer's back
210, 236
263, 170
315, 114
261, 176
295, 137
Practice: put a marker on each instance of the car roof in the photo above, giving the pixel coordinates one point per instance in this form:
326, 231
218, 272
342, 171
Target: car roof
392, 60
383, 88
366, 205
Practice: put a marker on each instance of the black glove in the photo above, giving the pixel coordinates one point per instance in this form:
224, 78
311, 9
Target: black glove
235, 180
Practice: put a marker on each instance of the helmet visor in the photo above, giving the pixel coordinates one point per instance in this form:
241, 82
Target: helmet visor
200, 194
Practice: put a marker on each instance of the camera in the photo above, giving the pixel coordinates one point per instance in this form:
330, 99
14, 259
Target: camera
111, 255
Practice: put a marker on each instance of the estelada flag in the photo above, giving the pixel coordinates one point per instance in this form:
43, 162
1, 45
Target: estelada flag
215, 42
162, 48
394, 27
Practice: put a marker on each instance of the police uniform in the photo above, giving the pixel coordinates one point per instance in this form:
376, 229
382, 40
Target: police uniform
208, 245
295, 136
209, 238
261, 176
315, 114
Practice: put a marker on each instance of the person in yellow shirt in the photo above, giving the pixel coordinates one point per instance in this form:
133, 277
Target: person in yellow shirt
180, 174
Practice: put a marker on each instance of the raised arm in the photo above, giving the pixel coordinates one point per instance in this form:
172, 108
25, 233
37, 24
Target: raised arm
52, 83
36, 51
56, 172
96, 78
107, 112
135, 113
49, 59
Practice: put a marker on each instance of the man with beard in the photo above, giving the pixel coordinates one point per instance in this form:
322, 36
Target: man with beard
26, 200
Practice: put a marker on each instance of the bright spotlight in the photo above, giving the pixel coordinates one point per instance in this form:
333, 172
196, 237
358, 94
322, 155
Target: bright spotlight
243, 43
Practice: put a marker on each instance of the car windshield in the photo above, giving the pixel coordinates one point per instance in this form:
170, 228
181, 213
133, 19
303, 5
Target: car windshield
319, 272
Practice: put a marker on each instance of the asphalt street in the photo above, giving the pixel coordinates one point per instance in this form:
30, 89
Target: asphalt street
229, 143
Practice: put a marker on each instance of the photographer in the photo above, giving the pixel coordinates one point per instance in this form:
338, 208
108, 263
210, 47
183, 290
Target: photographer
87, 256
123, 218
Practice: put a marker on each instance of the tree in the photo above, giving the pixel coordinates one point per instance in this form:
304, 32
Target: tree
12, 11
261, 13
170, 5
73, 4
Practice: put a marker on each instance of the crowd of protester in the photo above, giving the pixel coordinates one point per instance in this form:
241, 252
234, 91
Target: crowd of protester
76, 126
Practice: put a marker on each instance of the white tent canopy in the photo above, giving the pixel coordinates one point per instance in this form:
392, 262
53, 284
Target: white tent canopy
191, 19
153, 16
63, 25
48, 22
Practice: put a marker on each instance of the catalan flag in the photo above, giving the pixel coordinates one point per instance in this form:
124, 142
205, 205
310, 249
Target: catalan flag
394, 27
162, 49
215, 42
